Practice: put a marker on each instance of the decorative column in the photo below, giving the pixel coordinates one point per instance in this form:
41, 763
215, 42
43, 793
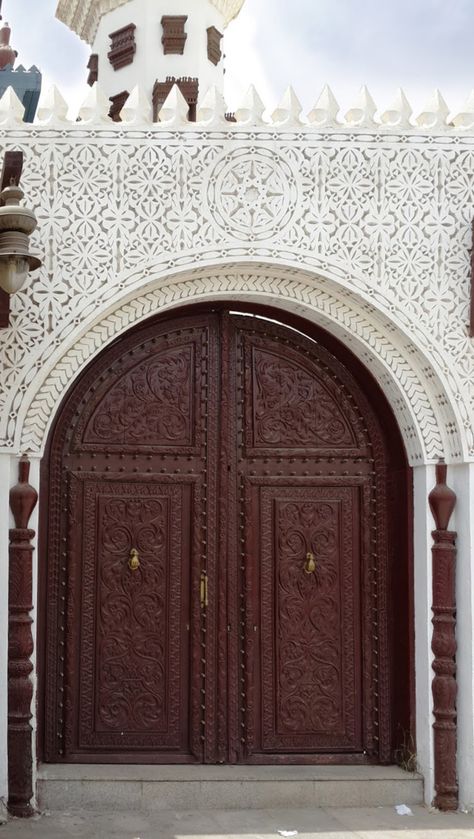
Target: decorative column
23, 500
442, 500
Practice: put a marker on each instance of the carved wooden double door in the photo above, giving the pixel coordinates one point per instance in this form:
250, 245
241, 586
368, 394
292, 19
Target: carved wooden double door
212, 582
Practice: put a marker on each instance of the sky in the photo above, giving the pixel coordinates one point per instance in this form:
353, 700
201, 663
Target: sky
419, 45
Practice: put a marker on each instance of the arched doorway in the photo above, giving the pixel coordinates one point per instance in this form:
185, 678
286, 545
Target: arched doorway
226, 571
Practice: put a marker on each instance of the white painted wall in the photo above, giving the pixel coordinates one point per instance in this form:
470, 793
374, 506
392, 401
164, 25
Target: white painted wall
461, 479
150, 64
423, 483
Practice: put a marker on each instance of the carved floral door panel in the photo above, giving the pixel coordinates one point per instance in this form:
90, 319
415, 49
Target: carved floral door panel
196, 469
305, 651
130, 687
305, 470
128, 467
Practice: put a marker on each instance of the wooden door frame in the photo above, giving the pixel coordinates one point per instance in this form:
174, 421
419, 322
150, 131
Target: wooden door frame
401, 583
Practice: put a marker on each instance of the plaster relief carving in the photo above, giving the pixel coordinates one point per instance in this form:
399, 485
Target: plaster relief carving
252, 194
370, 213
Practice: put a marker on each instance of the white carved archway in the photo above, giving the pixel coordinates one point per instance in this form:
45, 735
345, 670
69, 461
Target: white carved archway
414, 386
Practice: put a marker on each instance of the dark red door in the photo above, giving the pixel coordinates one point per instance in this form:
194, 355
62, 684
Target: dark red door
213, 572
305, 471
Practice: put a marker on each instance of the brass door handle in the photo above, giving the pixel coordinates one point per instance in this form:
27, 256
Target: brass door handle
310, 564
134, 561
203, 591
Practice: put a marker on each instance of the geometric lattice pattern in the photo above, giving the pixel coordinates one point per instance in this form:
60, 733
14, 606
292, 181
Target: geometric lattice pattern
373, 229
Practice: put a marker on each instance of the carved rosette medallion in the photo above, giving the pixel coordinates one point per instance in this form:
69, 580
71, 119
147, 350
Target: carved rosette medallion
253, 194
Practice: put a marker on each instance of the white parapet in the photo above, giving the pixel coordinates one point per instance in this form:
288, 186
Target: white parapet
137, 109
52, 107
174, 112
326, 109
289, 110
398, 113
252, 111
435, 113
12, 110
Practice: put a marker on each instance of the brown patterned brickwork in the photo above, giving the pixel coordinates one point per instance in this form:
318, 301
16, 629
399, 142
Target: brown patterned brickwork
214, 38
174, 37
189, 87
123, 46
93, 67
118, 101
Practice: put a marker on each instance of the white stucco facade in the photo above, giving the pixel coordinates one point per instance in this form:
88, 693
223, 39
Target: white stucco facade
361, 228
150, 64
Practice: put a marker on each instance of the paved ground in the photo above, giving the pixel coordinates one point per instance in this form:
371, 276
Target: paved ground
341, 823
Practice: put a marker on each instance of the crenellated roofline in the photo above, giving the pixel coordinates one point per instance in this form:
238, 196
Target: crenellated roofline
83, 16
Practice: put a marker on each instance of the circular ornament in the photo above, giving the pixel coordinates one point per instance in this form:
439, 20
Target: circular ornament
252, 193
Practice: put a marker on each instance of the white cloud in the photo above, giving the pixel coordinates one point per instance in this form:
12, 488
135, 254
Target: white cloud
418, 44
241, 41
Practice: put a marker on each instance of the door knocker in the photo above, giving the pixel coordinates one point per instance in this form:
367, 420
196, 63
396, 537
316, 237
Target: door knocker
134, 561
310, 564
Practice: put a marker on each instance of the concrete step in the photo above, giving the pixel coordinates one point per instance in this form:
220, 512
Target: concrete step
149, 788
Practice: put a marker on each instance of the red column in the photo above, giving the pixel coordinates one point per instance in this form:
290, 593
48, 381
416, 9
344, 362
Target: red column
23, 500
442, 500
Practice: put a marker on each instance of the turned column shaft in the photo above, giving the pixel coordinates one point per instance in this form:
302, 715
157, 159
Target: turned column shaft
443, 645
23, 499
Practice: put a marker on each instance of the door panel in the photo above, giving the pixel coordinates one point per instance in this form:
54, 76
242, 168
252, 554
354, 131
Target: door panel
130, 686
128, 466
294, 404
152, 405
306, 641
305, 467
222, 450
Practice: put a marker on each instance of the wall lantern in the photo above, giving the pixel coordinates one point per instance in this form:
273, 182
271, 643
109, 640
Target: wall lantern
16, 226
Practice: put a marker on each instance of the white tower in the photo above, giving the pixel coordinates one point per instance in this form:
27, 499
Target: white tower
152, 43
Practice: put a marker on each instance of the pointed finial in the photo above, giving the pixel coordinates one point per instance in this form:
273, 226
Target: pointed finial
442, 498
326, 109
289, 110
435, 112
12, 110
363, 111
95, 107
212, 110
399, 113
23, 497
7, 53
52, 107
175, 109
137, 109
465, 118
251, 109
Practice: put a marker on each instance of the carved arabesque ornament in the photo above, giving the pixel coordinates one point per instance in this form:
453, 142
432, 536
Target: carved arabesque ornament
362, 332
386, 219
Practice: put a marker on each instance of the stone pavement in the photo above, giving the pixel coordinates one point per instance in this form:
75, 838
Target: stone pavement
324, 823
